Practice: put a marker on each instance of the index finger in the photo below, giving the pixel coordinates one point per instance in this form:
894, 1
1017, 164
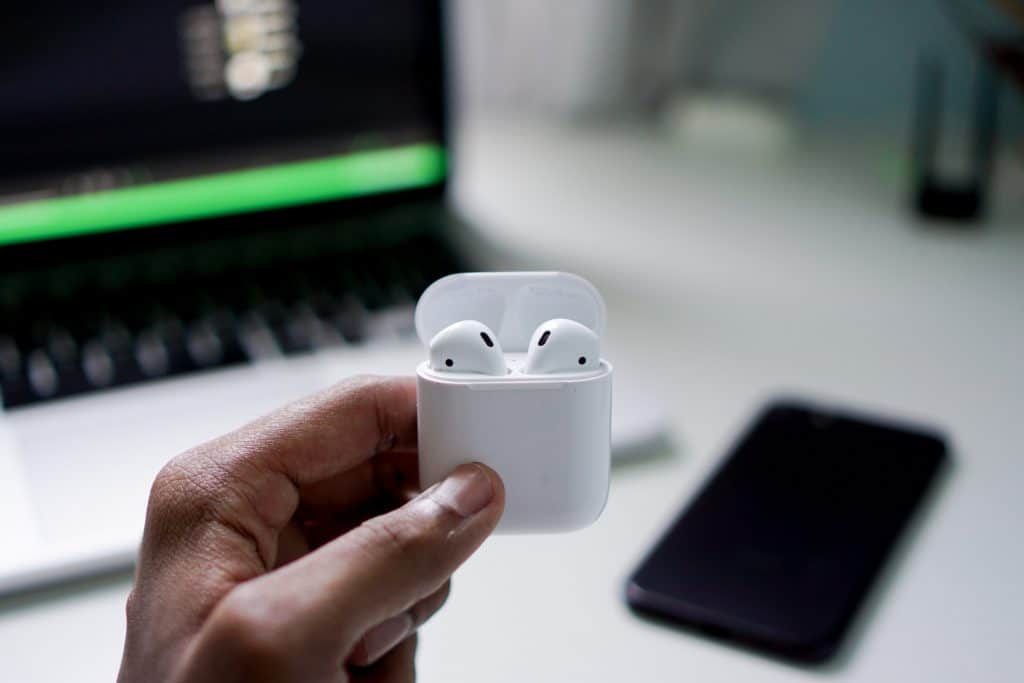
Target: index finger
249, 481
325, 434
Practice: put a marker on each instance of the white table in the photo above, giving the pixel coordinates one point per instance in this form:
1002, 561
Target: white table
727, 280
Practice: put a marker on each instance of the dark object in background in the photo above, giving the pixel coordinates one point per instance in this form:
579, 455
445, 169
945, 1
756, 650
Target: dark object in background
995, 32
944, 198
781, 546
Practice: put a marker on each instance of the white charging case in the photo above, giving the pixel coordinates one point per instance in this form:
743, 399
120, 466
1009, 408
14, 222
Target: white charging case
548, 436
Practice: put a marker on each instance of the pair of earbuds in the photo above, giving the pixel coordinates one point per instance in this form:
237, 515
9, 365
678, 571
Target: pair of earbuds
557, 346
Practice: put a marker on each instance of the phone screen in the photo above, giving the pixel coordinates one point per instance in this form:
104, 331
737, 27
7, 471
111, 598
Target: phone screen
783, 542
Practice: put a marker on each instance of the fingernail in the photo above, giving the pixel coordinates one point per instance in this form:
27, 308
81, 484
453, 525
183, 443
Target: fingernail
467, 490
379, 640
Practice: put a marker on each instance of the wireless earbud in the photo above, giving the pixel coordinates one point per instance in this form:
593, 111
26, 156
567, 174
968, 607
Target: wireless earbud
467, 346
562, 345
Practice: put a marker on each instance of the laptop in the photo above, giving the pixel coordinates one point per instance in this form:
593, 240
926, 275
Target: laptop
207, 209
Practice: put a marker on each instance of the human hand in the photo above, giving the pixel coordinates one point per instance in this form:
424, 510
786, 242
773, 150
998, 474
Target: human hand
271, 554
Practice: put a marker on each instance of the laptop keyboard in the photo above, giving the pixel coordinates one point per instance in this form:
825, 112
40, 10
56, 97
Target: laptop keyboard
148, 333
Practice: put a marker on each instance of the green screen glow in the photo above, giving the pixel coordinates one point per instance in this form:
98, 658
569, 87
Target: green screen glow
290, 184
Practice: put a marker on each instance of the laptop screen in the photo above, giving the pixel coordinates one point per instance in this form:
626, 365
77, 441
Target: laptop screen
118, 114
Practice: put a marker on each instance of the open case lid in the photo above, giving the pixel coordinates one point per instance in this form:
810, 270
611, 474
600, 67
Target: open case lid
513, 304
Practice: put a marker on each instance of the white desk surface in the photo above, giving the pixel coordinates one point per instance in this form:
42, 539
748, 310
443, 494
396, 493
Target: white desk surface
726, 281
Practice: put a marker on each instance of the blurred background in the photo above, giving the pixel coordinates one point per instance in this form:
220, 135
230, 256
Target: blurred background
823, 198
742, 76
829, 63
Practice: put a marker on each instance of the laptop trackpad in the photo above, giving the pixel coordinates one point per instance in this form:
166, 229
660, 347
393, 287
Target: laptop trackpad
90, 462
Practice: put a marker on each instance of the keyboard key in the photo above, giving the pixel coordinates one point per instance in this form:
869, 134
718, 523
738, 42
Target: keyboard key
121, 347
395, 323
256, 339
173, 336
42, 376
350, 318
303, 330
320, 332
225, 325
97, 364
203, 344
151, 354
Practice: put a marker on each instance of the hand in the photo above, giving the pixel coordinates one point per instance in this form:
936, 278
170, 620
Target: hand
266, 556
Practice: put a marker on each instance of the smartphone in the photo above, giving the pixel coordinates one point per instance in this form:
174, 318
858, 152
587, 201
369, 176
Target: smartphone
781, 545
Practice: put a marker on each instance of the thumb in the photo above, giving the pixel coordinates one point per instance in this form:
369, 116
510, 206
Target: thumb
331, 597
395, 560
